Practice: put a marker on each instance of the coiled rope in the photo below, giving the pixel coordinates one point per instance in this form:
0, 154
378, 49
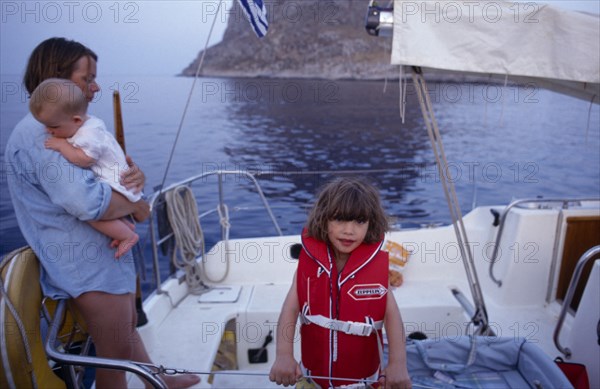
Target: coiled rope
182, 213
187, 230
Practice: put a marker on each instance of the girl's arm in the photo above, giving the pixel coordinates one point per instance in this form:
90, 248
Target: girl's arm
286, 371
71, 153
396, 373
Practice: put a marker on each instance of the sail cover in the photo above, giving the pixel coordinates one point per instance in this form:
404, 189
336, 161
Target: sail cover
555, 48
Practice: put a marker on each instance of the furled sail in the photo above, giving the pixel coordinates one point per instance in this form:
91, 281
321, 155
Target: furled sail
522, 42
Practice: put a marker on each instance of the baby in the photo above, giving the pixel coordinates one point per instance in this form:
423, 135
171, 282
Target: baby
84, 141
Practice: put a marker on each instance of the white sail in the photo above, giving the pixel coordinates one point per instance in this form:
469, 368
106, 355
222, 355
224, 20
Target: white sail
526, 42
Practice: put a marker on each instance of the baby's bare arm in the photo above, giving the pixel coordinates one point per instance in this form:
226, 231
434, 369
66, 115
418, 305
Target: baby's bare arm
71, 153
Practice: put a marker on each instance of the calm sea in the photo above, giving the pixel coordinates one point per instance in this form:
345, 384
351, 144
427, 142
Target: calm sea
502, 143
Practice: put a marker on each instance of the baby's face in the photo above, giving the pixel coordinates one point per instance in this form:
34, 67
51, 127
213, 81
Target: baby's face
58, 124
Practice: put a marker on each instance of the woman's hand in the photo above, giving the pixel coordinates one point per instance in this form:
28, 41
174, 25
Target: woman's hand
119, 207
133, 178
285, 371
141, 211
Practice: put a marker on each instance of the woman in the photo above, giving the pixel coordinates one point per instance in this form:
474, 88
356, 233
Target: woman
53, 199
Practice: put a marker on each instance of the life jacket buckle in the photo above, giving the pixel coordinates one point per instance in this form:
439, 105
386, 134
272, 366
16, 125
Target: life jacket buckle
356, 328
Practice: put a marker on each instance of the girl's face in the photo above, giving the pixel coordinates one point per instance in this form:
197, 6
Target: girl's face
345, 236
84, 76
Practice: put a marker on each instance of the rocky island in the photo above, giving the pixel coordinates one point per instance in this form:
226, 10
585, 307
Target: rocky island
306, 39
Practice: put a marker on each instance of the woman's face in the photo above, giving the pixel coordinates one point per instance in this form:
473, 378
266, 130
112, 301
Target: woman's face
84, 76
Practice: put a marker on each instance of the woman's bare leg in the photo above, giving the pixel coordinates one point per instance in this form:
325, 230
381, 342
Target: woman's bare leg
108, 319
111, 321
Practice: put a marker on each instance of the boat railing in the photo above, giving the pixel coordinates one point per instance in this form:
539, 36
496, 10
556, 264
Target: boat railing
220, 174
528, 204
583, 260
71, 360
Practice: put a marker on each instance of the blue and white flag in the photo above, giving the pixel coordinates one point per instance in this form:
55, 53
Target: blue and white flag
256, 12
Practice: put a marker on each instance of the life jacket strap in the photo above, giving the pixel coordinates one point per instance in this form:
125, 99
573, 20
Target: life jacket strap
347, 327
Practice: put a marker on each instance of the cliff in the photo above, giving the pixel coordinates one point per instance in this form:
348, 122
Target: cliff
306, 39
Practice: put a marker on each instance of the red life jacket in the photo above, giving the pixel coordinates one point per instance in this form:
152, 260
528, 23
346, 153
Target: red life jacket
357, 294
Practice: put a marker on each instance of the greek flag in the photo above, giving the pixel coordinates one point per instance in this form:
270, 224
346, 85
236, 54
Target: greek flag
256, 12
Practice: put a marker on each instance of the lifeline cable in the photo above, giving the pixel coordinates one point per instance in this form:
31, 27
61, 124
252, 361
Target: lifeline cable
157, 370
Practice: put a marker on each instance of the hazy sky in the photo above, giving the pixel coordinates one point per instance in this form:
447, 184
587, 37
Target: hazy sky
130, 37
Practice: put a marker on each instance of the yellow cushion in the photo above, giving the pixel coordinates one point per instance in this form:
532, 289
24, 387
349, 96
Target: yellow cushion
20, 277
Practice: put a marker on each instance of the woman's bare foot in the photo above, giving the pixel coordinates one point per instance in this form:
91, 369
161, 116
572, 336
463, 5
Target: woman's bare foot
180, 381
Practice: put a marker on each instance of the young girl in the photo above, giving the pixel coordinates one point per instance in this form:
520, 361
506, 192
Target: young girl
84, 141
340, 291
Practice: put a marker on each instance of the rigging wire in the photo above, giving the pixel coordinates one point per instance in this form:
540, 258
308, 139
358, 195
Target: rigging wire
435, 138
181, 203
189, 98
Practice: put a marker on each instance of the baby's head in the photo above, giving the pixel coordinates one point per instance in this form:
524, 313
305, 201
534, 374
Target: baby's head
59, 105
348, 199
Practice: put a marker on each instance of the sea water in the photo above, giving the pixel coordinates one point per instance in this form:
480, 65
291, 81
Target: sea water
501, 143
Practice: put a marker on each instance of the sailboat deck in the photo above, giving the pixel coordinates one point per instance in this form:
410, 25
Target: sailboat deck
188, 337
187, 334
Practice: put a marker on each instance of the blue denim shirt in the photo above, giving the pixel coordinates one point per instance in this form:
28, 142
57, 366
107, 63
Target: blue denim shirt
53, 199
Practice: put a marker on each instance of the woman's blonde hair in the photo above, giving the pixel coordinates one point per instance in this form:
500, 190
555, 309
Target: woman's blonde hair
348, 198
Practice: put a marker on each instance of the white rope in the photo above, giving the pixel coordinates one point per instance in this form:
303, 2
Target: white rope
403, 83
189, 239
224, 218
503, 97
589, 118
182, 212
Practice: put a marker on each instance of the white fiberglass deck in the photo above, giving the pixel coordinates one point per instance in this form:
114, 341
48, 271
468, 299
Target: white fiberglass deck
187, 336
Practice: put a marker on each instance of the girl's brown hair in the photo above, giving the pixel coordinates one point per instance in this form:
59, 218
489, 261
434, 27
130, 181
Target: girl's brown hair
54, 58
348, 198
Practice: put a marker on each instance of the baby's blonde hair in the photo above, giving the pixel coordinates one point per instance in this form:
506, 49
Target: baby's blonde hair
60, 94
